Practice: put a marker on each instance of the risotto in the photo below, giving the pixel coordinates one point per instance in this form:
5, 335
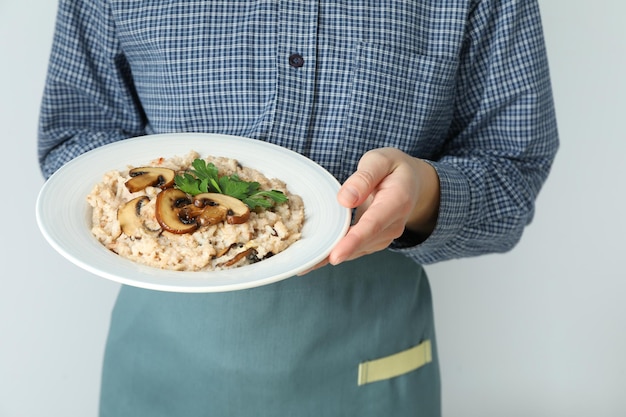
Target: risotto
163, 227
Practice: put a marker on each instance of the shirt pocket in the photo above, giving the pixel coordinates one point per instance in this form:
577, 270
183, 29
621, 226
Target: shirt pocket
198, 69
399, 98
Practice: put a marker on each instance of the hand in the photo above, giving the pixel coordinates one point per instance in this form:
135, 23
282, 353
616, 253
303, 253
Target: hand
391, 191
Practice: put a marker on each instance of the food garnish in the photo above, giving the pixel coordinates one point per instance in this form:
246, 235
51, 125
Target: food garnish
204, 178
150, 177
177, 213
197, 197
129, 216
168, 204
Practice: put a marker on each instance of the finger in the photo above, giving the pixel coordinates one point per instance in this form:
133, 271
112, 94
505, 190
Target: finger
316, 266
362, 208
364, 238
373, 167
377, 225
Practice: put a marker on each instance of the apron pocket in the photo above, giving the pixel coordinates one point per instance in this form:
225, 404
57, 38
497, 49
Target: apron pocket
395, 365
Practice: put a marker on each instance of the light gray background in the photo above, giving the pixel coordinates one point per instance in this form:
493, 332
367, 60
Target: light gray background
539, 331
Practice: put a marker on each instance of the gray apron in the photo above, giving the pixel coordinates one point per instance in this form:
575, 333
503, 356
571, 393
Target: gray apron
353, 340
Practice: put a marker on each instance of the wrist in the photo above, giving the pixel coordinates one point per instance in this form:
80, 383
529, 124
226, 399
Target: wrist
423, 218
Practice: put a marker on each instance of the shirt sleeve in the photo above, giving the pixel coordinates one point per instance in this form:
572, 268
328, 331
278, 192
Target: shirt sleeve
89, 99
502, 141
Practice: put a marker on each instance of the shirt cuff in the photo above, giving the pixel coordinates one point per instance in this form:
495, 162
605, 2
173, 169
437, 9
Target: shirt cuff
453, 211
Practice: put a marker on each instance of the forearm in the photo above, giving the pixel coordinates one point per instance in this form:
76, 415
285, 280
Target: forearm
502, 140
89, 99
69, 144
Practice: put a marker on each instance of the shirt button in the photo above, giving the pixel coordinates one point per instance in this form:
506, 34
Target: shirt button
296, 60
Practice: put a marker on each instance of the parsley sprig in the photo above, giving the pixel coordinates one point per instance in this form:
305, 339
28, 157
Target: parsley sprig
204, 178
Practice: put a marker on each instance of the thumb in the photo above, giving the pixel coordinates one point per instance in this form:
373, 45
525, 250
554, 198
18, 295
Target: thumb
373, 167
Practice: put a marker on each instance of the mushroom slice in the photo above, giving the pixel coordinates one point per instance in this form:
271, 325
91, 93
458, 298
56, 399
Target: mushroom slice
237, 211
129, 216
169, 204
143, 177
211, 214
225, 250
249, 253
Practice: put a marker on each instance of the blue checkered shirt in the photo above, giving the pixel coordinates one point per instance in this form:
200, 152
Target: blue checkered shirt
463, 84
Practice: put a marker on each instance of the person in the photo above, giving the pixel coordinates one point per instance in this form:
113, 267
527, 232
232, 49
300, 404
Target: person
436, 116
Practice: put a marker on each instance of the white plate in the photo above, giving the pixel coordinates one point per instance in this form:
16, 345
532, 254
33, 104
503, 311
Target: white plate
64, 216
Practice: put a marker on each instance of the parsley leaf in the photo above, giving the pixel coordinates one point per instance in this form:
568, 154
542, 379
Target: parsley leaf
204, 170
265, 199
204, 178
190, 184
